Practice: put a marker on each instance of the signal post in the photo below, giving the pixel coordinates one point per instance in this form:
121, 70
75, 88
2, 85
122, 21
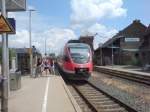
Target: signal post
6, 27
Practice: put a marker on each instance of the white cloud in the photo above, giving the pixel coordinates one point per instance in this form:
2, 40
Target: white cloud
38, 21
103, 33
41, 29
55, 39
19, 40
84, 11
87, 14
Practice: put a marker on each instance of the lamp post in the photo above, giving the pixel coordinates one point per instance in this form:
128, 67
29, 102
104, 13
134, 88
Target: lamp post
45, 47
101, 52
112, 55
5, 73
113, 49
30, 41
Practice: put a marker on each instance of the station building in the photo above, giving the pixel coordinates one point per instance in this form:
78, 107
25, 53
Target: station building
88, 40
123, 48
23, 58
145, 48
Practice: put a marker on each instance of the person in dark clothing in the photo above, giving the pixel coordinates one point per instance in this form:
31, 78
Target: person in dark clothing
39, 63
52, 66
46, 66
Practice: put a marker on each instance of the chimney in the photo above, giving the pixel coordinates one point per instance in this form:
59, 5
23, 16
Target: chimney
136, 21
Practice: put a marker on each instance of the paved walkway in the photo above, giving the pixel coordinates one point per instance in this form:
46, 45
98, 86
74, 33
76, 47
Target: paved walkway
43, 94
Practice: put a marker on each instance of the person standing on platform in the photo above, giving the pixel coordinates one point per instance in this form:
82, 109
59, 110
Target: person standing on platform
53, 66
49, 65
46, 66
39, 64
34, 66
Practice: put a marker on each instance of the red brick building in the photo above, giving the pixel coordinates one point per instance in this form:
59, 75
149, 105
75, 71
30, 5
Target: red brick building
123, 48
88, 40
145, 48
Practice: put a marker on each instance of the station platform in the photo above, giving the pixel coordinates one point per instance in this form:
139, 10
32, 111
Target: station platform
42, 94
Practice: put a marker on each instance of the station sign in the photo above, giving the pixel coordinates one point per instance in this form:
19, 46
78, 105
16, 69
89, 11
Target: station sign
5, 26
132, 39
14, 5
131, 50
12, 22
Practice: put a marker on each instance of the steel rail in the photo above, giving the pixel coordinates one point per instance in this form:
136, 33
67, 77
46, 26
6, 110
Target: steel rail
136, 77
86, 92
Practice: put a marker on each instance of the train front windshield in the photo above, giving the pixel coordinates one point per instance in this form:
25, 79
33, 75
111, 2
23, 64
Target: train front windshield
80, 55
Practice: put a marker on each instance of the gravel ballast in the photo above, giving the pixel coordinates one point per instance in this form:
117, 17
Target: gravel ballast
131, 93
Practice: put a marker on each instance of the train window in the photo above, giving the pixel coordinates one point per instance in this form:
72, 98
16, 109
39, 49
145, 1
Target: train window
79, 50
80, 54
76, 51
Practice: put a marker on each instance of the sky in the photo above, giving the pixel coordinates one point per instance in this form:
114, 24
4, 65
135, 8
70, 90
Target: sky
57, 21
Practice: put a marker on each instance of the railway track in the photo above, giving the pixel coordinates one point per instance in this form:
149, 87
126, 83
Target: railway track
92, 99
133, 76
81, 102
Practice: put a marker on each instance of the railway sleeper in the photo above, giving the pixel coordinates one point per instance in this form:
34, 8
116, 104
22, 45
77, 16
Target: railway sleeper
90, 91
105, 106
105, 102
120, 109
96, 97
99, 100
92, 94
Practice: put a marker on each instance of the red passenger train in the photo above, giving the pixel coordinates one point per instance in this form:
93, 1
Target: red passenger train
76, 60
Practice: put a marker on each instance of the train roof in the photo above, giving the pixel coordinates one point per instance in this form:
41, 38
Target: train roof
74, 41
77, 45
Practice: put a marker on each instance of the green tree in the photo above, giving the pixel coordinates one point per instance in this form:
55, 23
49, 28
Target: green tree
12, 53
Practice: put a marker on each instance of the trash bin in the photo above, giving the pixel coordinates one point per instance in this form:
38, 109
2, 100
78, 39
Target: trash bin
15, 80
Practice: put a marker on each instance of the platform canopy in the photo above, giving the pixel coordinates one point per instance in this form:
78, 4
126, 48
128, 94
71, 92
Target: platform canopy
15, 5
